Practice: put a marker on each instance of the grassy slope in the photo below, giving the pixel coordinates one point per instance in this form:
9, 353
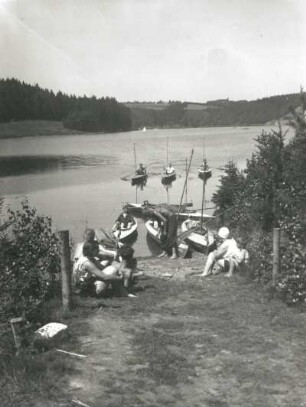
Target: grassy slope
33, 128
186, 341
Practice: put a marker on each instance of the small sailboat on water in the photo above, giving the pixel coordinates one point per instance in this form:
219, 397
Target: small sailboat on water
204, 172
169, 174
140, 176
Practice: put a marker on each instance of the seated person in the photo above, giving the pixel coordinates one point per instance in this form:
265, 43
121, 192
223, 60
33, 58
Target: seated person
169, 169
127, 265
124, 220
89, 270
223, 254
141, 170
239, 260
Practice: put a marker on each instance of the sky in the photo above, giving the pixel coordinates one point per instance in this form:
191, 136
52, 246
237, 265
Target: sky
151, 50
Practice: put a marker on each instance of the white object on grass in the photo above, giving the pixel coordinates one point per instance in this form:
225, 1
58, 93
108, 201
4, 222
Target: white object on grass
50, 330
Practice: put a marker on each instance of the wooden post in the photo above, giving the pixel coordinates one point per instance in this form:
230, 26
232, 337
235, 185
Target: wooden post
16, 325
276, 256
63, 236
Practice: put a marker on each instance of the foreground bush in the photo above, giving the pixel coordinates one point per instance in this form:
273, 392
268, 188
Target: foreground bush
271, 193
28, 259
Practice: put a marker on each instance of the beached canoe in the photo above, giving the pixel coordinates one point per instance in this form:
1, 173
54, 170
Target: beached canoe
154, 233
200, 240
125, 235
194, 215
137, 208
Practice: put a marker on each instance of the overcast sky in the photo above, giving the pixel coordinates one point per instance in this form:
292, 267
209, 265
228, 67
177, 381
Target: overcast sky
195, 50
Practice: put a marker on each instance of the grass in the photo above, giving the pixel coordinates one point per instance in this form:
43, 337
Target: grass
33, 374
183, 341
28, 128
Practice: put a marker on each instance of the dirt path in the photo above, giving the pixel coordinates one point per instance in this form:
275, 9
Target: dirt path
190, 342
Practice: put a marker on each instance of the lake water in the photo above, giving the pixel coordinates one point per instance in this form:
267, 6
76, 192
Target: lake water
77, 179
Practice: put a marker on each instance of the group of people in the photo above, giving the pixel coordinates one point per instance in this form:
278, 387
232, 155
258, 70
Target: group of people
98, 271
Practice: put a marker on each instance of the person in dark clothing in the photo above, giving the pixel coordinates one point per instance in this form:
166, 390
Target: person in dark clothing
169, 230
124, 220
141, 170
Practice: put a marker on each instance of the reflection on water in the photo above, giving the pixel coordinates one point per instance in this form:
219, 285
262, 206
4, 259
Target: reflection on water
20, 165
68, 179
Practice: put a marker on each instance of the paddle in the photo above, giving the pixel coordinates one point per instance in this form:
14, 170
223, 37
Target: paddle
113, 240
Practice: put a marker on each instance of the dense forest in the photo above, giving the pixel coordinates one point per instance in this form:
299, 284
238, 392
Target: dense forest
213, 113
20, 101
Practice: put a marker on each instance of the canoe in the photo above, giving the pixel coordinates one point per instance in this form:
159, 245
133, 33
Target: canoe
137, 208
153, 230
195, 215
138, 179
124, 235
201, 241
168, 178
154, 233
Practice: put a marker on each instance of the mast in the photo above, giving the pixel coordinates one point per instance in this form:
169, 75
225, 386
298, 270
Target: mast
204, 183
186, 182
135, 156
167, 151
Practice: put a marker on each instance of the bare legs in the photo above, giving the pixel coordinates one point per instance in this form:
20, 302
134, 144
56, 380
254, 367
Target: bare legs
173, 253
209, 264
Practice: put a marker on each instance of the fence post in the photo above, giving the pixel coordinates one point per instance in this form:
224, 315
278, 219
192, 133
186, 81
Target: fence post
276, 256
63, 236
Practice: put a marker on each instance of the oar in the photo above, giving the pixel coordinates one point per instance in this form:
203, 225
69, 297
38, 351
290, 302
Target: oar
113, 240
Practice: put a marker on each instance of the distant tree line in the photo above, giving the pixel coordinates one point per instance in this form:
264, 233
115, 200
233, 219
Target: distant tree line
20, 101
213, 113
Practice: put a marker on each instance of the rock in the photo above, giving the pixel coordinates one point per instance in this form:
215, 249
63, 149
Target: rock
49, 335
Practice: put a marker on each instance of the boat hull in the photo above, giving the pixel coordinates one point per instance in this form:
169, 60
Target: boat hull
139, 179
152, 231
204, 174
126, 235
168, 178
199, 242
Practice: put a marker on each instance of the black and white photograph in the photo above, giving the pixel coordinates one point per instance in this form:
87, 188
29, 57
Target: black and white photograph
152, 203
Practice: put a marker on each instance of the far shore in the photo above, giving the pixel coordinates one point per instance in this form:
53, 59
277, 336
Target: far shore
35, 128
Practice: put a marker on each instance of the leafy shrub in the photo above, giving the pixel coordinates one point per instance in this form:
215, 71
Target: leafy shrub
28, 258
272, 194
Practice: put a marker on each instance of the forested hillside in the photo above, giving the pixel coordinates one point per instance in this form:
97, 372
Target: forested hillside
213, 113
20, 101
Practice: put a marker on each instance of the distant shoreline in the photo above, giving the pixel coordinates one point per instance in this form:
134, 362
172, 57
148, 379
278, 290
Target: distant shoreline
43, 128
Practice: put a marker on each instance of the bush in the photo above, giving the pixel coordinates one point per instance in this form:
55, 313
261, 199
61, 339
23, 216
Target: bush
28, 258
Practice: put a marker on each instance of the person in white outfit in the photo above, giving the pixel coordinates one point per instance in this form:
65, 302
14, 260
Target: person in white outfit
222, 257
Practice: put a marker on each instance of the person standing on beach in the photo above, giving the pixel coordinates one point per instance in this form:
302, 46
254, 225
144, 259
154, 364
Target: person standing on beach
169, 230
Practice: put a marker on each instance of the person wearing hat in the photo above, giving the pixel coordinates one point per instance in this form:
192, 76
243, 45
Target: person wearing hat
124, 220
141, 170
224, 253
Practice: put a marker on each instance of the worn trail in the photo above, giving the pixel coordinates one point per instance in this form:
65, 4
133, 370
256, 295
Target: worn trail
185, 341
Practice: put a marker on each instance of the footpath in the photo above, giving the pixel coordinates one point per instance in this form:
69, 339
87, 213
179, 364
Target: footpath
188, 341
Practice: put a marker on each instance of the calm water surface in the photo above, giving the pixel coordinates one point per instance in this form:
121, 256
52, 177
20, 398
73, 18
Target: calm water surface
77, 179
